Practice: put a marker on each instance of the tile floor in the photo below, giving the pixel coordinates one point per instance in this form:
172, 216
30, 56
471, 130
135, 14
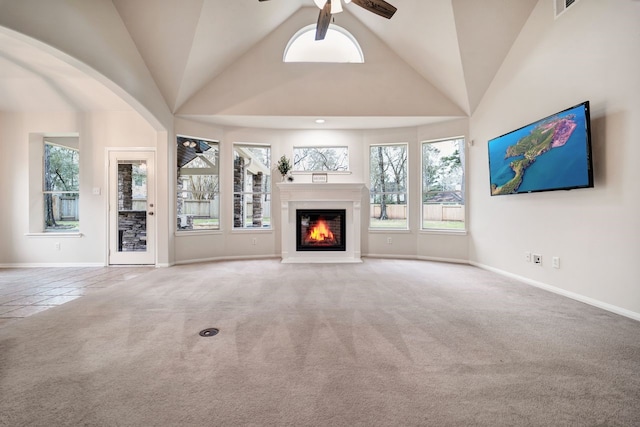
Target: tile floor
26, 291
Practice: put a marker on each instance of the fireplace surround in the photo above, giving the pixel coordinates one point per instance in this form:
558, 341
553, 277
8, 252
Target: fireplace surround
345, 197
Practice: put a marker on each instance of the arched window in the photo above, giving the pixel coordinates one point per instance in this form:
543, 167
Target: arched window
338, 46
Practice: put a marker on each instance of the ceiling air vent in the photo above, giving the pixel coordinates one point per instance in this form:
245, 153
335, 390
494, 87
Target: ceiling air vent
561, 6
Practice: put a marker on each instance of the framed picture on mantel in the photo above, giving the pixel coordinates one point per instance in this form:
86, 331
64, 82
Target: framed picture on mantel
318, 177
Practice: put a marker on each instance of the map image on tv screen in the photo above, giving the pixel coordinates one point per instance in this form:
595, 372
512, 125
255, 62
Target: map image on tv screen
551, 154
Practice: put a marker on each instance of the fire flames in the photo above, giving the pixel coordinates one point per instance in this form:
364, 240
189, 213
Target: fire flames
320, 232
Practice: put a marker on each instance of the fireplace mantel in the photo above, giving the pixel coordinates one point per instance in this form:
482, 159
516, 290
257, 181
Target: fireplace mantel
290, 191
295, 196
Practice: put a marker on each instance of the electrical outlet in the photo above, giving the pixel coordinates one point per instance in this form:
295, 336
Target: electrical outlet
537, 259
254, 241
527, 256
389, 241
57, 246
555, 262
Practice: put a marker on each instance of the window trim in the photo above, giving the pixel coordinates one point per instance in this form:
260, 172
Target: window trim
337, 172
333, 28
36, 221
443, 231
244, 229
48, 141
201, 231
407, 191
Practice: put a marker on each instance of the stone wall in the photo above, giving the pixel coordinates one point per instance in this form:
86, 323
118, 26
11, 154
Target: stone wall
238, 189
132, 231
125, 187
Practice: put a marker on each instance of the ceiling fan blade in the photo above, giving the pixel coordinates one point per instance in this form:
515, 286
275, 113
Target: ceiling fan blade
379, 7
324, 19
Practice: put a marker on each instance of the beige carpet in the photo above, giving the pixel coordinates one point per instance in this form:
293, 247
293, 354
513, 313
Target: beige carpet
383, 343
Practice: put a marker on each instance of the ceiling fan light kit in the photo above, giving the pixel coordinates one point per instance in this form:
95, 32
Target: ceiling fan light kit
330, 7
336, 5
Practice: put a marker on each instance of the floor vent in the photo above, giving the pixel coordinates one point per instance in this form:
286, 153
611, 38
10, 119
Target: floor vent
209, 332
561, 6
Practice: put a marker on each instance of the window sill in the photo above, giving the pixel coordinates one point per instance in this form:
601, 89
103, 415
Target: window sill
327, 172
389, 230
55, 234
446, 232
252, 230
183, 233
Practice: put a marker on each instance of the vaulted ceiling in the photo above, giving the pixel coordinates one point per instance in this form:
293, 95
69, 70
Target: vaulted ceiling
194, 47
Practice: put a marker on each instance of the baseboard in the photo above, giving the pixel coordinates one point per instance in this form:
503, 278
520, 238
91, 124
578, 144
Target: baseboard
591, 301
389, 256
417, 258
52, 264
227, 258
438, 259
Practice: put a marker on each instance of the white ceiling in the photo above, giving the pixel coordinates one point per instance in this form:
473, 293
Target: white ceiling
456, 46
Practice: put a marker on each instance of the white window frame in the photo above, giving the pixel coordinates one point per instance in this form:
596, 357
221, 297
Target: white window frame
406, 191
320, 148
445, 230
217, 193
267, 170
338, 46
36, 225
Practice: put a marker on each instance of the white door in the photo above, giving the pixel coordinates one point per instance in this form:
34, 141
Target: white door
132, 207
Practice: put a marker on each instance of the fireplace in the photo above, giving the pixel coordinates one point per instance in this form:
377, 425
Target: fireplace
336, 199
321, 230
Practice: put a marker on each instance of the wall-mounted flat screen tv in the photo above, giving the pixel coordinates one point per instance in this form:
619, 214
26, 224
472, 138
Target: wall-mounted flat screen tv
553, 153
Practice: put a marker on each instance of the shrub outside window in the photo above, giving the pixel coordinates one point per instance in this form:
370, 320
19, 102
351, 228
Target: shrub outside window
198, 196
443, 192
251, 186
388, 183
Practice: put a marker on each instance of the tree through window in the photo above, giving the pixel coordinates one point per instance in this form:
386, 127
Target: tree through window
321, 159
198, 198
61, 184
388, 186
443, 184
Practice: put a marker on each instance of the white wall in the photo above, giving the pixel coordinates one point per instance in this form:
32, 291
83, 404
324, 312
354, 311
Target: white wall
91, 36
589, 53
228, 243
97, 131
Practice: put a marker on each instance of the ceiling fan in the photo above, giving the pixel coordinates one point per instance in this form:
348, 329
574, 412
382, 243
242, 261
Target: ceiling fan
329, 7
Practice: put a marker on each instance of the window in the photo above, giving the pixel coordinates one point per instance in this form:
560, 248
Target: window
251, 186
443, 184
320, 159
338, 46
198, 201
61, 184
388, 183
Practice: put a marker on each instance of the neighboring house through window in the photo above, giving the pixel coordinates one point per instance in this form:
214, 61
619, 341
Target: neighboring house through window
251, 186
198, 198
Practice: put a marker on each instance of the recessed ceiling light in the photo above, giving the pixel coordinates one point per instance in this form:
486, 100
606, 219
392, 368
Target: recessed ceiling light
319, 121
